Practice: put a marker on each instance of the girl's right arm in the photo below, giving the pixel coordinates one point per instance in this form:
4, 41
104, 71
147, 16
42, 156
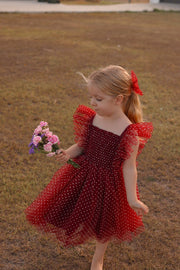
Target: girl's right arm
72, 152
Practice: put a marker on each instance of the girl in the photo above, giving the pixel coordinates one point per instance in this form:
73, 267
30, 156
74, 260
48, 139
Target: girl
100, 199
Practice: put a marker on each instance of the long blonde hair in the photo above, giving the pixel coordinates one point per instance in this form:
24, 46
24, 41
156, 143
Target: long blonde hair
115, 80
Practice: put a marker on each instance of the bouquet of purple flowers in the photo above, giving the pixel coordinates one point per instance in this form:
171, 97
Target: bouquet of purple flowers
44, 141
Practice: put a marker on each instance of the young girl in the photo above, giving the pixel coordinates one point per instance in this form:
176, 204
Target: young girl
100, 199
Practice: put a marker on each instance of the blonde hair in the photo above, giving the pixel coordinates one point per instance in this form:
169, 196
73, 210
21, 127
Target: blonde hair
115, 80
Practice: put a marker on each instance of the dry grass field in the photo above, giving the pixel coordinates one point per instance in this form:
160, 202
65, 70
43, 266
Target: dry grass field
40, 57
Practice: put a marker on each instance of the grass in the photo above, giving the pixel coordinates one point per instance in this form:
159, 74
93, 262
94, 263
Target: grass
40, 55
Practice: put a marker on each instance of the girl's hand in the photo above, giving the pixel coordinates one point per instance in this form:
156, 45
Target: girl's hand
139, 207
62, 156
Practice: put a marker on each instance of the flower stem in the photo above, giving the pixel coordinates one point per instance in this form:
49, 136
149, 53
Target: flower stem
74, 164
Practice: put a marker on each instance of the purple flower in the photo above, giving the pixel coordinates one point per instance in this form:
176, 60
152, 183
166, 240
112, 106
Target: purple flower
31, 150
31, 143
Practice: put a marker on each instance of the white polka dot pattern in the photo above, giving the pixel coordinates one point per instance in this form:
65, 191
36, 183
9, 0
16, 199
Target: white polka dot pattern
90, 202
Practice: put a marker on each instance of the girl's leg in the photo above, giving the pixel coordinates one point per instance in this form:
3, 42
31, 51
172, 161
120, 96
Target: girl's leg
97, 261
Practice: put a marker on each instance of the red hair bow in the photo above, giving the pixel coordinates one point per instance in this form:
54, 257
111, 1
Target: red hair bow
135, 84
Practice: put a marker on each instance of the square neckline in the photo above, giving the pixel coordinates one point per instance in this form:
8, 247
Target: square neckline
107, 131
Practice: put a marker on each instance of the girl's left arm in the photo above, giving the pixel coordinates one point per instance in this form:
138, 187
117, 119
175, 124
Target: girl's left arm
130, 179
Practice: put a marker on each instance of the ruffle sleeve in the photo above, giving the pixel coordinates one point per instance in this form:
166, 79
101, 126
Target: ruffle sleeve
82, 119
141, 132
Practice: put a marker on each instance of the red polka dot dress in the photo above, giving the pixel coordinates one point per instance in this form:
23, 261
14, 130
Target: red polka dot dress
81, 204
